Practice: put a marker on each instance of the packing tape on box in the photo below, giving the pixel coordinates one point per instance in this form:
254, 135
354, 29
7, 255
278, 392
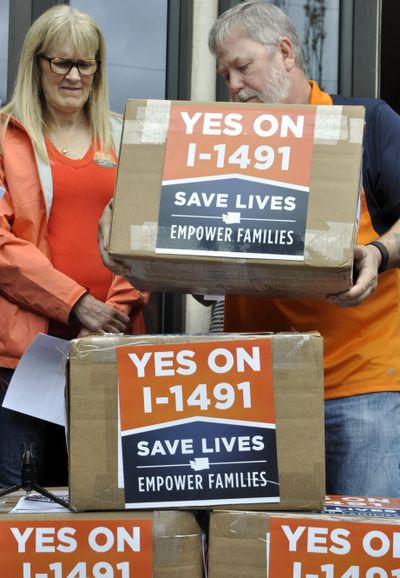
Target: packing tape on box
102, 348
240, 522
332, 126
151, 124
144, 237
356, 127
328, 244
289, 358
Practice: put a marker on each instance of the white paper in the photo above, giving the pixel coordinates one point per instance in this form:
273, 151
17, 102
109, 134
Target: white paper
35, 503
121, 479
38, 384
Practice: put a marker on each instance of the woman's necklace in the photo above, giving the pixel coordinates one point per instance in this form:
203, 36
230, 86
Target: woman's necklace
74, 142
57, 142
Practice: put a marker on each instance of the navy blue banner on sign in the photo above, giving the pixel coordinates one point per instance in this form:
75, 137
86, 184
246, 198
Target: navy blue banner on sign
232, 215
202, 463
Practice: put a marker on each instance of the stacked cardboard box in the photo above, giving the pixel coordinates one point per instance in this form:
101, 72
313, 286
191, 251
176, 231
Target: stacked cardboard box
238, 198
278, 545
226, 452
147, 544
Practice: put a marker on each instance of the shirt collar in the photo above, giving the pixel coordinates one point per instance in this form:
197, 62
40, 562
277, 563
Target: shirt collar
318, 96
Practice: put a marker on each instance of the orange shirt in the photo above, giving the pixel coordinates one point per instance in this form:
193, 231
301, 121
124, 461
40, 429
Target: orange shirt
361, 344
81, 190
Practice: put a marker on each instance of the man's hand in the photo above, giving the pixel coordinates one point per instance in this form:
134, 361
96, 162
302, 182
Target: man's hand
104, 230
367, 259
97, 317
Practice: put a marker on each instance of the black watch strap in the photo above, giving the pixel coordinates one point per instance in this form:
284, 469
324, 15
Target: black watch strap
384, 253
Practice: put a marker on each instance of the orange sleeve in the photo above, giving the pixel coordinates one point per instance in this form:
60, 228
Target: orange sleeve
28, 278
126, 298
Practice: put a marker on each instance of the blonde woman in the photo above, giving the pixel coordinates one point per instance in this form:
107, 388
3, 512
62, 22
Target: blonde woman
59, 145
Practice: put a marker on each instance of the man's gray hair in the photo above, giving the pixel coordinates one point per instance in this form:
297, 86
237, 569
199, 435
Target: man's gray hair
259, 21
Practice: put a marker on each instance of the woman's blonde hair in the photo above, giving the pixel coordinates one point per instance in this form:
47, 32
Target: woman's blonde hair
52, 29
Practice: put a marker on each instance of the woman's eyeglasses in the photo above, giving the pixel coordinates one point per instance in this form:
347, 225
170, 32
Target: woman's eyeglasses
63, 66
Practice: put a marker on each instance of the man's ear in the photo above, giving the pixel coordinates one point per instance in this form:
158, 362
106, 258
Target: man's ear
287, 51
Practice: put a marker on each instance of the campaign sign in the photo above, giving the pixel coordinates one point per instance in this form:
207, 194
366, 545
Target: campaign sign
197, 423
304, 548
236, 180
76, 548
362, 506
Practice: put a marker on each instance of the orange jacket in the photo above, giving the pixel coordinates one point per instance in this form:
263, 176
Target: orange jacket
31, 290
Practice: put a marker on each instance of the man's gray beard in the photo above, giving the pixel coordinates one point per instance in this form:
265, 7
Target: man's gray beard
276, 89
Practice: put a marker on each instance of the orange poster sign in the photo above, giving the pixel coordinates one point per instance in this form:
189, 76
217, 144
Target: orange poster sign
304, 548
197, 423
217, 379
267, 143
363, 501
76, 548
236, 181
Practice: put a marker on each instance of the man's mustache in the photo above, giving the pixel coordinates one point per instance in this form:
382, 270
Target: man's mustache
245, 94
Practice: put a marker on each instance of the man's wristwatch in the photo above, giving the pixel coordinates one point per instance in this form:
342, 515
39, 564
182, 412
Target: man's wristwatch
384, 253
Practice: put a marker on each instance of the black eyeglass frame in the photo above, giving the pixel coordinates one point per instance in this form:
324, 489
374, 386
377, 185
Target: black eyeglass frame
72, 64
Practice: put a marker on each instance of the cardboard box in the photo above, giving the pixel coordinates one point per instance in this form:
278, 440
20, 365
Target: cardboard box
219, 198
279, 545
295, 447
176, 548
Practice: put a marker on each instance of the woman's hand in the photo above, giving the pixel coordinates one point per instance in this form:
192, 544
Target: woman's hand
97, 317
